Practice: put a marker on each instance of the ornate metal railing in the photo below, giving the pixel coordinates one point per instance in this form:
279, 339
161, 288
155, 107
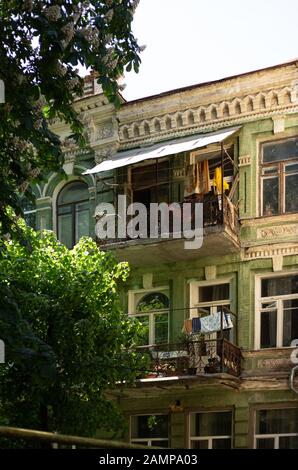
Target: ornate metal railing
214, 213
203, 356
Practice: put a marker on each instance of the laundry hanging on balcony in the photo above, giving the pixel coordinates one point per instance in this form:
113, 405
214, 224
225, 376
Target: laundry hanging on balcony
217, 181
212, 323
197, 179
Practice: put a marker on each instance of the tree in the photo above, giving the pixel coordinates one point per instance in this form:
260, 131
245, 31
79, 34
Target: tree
42, 44
67, 339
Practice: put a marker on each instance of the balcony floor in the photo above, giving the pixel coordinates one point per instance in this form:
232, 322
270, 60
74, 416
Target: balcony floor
219, 240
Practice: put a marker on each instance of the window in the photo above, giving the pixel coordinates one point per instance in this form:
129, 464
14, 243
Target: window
278, 311
149, 430
152, 309
211, 430
279, 177
276, 429
73, 213
207, 299
29, 210
150, 183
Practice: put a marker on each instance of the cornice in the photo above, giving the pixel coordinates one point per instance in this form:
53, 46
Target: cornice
216, 115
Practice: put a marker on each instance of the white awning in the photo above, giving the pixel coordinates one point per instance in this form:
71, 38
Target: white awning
131, 157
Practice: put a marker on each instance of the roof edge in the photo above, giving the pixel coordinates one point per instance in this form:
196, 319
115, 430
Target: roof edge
202, 84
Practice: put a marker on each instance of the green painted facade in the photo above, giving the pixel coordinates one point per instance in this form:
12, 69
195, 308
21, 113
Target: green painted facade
267, 245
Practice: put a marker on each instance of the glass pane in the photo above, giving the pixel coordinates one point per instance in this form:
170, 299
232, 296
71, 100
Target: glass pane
277, 421
284, 150
145, 337
148, 426
82, 220
265, 443
73, 192
30, 219
65, 210
221, 444
212, 424
216, 292
268, 170
270, 195
279, 286
199, 444
291, 168
161, 327
268, 329
153, 301
291, 199
290, 442
65, 230
290, 324
150, 175
269, 305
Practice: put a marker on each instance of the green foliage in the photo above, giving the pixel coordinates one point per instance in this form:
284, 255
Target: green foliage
42, 44
152, 302
67, 339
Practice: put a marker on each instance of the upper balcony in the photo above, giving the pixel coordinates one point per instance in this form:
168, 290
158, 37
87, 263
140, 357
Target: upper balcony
198, 169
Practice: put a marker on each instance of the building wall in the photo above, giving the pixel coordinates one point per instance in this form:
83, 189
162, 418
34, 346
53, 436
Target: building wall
265, 104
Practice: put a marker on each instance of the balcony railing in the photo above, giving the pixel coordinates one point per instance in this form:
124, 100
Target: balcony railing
204, 356
214, 214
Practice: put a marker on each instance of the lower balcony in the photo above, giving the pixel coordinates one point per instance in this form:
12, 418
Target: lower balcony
194, 358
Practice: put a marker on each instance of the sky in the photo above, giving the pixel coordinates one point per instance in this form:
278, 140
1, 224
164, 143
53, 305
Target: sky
193, 41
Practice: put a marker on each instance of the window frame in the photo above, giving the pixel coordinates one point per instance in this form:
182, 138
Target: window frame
258, 308
269, 406
149, 441
210, 438
73, 211
194, 294
135, 296
280, 174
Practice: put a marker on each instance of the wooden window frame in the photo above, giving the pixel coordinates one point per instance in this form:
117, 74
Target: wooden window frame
281, 175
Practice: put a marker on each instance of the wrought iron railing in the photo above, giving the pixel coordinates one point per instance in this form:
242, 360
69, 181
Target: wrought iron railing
203, 356
214, 213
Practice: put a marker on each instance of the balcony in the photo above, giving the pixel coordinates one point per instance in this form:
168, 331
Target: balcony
211, 356
220, 237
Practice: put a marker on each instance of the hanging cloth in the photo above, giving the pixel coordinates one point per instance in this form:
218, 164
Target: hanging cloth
197, 179
217, 181
204, 176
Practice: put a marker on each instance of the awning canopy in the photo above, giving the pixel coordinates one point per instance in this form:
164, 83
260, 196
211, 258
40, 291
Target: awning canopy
131, 157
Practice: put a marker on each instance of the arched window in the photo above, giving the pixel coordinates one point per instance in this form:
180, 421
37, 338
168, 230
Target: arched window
73, 213
153, 311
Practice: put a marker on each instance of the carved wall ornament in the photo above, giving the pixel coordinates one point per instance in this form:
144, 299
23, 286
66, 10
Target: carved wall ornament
105, 131
105, 152
224, 112
278, 124
245, 160
269, 251
277, 231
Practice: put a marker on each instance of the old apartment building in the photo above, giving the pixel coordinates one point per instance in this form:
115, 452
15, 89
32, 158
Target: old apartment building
222, 319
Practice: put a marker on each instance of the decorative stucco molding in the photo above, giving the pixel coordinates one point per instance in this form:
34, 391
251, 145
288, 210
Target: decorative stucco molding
277, 231
210, 273
269, 251
147, 280
222, 112
278, 124
245, 160
105, 152
179, 173
277, 263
